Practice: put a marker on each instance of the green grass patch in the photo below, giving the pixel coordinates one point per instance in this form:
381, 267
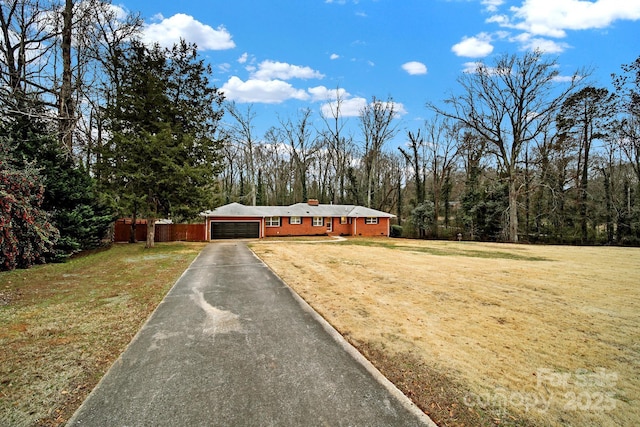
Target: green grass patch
63, 325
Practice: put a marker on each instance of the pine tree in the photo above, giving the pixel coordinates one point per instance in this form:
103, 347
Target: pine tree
164, 154
76, 209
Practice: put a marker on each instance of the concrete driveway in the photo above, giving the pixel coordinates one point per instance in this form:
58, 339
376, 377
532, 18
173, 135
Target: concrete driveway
232, 345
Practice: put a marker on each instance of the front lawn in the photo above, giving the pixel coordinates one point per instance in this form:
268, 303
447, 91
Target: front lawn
480, 333
63, 325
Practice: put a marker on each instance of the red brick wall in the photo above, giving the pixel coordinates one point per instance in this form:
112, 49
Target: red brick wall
304, 229
354, 227
371, 230
342, 229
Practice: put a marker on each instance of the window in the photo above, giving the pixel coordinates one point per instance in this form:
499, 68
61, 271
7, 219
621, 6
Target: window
371, 220
318, 221
295, 220
272, 221
343, 220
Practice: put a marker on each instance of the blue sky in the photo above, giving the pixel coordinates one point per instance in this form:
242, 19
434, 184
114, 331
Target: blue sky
284, 55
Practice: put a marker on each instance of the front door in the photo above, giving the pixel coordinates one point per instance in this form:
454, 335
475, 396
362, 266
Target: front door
329, 225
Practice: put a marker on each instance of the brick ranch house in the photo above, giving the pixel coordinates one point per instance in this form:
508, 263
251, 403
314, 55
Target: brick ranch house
302, 219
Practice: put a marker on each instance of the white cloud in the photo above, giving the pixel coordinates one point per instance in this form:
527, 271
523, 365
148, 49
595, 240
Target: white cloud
348, 108
334, 56
527, 42
352, 107
552, 18
564, 79
502, 20
267, 83
474, 47
321, 93
414, 68
399, 109
118, 11
268, 70
261, 91
492, 5
169, 31
471, 67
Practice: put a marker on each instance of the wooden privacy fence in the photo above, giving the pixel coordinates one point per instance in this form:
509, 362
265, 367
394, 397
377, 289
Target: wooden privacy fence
164, 232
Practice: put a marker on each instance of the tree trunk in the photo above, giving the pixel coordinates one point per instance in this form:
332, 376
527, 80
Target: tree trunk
584, 194
608, 203
513, 210
527, 189
370, 183
151, 232
66, 107
446, 197
132, 233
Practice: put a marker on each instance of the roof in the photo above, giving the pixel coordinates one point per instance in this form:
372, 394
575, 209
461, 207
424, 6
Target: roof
299, 209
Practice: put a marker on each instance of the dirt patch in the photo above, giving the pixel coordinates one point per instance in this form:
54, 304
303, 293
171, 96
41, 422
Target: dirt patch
545, 335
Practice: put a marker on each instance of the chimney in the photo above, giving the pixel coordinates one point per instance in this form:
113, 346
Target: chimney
313, 202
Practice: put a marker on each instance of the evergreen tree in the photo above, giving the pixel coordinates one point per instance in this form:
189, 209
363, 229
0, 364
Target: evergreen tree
76, 209
164, 154
422, 218
585, 117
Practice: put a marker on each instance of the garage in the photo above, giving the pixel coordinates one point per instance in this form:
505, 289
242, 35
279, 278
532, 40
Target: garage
235, 230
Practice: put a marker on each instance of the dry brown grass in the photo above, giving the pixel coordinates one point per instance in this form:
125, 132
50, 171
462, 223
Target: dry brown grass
508, 334
63, 325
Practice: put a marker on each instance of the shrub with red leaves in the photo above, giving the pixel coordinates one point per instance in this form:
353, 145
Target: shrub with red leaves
26, 234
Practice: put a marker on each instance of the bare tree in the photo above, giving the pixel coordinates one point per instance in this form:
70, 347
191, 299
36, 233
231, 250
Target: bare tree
57, 54
509, 105
442, 143
339, 145
433, 153
376, 123
26, 46
414, 157
66, 105
242, 134
628, 88
102, 32
304, 146
278, 167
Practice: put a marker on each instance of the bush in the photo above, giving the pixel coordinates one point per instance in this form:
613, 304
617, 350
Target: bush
76, 209
423, 218
26, 235
396, 231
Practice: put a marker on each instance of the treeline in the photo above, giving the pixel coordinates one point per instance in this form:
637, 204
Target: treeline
521, 154
96, 125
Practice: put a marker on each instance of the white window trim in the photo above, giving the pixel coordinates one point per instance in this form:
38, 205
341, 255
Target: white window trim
371, 220
298, 220
318, 221
270, 221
